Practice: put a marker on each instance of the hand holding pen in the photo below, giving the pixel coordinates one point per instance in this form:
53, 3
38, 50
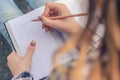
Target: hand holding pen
57, 16
62, 17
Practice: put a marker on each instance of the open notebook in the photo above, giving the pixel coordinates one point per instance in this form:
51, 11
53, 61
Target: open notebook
22, 31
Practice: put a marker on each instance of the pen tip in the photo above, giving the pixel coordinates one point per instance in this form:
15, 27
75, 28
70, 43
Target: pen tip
35, 20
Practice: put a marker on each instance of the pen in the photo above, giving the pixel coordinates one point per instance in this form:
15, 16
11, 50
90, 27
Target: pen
62, 17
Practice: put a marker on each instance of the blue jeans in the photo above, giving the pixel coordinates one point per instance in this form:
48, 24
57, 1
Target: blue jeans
9, 10
36, 3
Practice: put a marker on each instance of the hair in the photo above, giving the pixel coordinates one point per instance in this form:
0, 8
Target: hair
106, 65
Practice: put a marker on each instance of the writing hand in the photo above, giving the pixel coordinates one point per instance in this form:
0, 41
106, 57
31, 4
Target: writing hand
67, 25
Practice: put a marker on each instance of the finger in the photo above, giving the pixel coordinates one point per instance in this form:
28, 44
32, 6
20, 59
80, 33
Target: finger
43, 26
49, 8
51, 29
47, 28
13, 58
39, 18
12, 55
30, 50
51, 12
56, 24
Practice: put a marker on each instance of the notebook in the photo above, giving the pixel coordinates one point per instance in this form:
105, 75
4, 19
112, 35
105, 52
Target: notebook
22, 31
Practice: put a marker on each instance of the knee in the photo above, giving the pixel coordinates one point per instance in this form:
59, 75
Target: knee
8, 10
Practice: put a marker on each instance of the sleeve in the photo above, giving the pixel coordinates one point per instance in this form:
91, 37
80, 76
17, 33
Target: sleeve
23, 76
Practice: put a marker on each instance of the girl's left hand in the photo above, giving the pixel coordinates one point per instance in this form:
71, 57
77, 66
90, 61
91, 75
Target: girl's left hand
19, 64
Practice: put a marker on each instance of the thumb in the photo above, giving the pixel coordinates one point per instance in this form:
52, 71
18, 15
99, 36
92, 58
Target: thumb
49, 22
12, 57
30, 51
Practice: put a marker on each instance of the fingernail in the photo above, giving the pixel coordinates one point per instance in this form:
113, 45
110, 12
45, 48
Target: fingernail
40, 18
33, 42
43, 26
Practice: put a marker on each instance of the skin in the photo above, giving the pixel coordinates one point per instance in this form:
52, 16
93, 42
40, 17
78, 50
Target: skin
64, 25
19, 64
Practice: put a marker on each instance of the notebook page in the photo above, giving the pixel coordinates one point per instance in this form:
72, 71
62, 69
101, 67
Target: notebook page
24, 31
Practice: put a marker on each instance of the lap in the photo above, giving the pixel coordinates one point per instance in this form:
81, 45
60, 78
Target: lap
5, 50
8, 10
37, 3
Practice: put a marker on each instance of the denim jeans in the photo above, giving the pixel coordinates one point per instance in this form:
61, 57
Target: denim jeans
36, 3
9, 10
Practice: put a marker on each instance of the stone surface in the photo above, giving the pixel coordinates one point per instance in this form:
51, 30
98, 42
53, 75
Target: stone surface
5, 49
23, 5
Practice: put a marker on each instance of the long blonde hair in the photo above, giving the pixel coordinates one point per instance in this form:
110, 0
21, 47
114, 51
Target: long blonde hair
106, 65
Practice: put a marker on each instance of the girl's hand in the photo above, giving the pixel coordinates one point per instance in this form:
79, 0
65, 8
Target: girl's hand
67, 25
19, 64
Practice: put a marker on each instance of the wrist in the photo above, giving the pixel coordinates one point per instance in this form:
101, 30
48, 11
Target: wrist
77, 30
24, 75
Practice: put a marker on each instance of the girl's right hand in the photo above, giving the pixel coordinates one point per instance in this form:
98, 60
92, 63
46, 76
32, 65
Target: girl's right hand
67, 25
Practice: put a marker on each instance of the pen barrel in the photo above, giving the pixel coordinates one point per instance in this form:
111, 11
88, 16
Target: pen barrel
68, 16
65, 16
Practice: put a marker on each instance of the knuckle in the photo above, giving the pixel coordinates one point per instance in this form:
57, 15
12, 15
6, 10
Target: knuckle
8, 57
63, 5
48, 3
11, 55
